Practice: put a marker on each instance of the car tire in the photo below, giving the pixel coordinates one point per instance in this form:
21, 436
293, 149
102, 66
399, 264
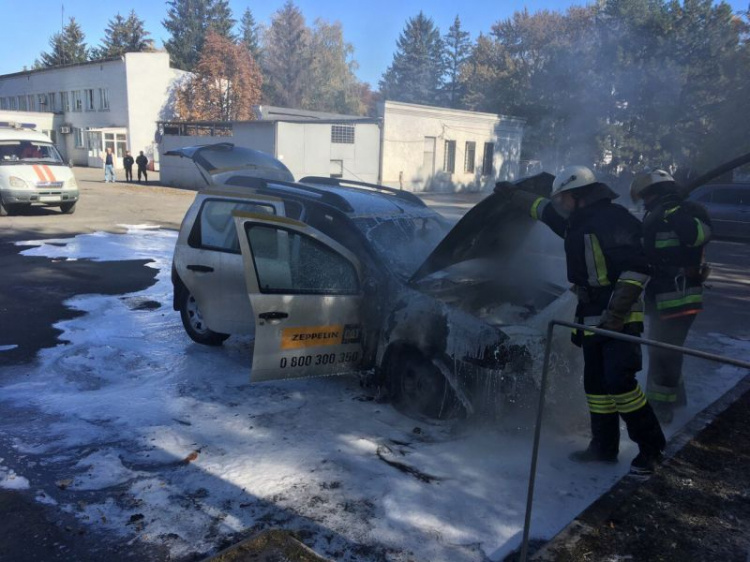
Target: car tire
6, 209
418, 389
68, 208
192, 320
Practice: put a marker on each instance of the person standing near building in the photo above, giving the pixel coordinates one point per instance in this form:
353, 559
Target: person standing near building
675, 234
142, 162
127, 163
607, 266
109, 167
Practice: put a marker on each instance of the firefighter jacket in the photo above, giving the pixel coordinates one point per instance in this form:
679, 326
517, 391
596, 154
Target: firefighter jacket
602, 250
675, 233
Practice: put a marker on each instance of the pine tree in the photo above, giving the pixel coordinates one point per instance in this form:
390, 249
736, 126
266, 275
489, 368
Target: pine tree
457, 50
249, 34
68, 47
123, 36
416, 74
188, 21
286, 58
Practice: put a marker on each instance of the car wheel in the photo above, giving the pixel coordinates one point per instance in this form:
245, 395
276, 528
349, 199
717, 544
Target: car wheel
418, 388
196, 328
68, 208
6, 209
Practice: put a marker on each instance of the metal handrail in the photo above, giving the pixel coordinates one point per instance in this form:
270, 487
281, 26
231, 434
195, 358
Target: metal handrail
543, 389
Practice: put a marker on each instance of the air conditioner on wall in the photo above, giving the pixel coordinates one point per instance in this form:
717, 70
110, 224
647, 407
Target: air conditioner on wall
64, 129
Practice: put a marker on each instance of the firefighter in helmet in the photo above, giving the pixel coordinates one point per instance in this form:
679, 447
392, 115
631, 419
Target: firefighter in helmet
607, 266
675, 233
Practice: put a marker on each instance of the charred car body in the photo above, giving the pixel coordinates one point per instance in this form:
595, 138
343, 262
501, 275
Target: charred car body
336, 276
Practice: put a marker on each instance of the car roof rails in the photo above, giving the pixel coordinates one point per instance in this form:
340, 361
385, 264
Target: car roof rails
333, 199
17, 125
339, 182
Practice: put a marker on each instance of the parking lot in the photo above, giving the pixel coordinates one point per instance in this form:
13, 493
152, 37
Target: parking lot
139, 437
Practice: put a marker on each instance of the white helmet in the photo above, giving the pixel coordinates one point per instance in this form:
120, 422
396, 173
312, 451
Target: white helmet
645, 180
572, 177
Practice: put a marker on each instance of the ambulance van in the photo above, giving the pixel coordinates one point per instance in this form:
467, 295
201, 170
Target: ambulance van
32, 172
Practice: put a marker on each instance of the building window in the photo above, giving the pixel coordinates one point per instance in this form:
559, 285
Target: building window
32, 102
337, 168
103, 98
64, 101
342, 134
489, 151
22, 103
428, 157
449, 164
41, 101
79, 137
89, 97
52, 102
12, 103
470, 157
77, 101
4, 103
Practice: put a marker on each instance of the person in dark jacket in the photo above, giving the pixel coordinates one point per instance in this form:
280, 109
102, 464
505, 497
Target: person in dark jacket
675, 234
142, 163
127, 163
608, 269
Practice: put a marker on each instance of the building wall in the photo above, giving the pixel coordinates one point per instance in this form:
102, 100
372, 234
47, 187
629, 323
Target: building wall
307, 150
409, 129
137, 87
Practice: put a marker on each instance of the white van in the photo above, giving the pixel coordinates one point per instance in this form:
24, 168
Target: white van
32, 172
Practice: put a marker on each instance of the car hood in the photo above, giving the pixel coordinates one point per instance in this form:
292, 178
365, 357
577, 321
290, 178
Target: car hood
491, 229
218, 162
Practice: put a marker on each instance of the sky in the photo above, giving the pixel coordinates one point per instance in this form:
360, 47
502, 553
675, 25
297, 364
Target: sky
371, 27
141, 433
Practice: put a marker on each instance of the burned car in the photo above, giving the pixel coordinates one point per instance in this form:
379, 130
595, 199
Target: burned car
337, 276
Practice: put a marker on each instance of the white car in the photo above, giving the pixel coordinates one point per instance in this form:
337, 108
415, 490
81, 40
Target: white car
335, 276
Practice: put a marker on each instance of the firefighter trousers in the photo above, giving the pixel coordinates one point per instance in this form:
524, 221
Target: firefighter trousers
664, 383
612, 391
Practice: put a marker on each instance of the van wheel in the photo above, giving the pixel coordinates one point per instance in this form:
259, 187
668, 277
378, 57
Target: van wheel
417, 387
5, 209
196, 328
68, 208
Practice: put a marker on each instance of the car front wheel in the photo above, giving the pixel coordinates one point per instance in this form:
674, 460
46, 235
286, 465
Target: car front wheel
196, 328
68, 208
418, 388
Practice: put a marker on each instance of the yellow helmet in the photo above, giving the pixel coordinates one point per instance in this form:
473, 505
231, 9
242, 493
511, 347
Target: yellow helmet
645, 180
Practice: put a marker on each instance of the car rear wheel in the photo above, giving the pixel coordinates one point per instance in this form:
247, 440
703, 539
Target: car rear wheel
418, 388
68, 208
196, 328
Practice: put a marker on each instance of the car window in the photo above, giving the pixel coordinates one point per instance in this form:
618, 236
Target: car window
288, 262
214, 228
727, 196
704, 197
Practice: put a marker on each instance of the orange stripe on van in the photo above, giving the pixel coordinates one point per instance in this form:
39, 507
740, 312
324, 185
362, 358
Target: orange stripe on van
49, 173
40, 173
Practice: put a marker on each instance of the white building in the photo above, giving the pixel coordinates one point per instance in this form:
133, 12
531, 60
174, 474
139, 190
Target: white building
115, 103
413, 147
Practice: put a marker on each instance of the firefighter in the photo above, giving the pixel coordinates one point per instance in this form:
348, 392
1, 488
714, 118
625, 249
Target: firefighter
608, 270
675, 233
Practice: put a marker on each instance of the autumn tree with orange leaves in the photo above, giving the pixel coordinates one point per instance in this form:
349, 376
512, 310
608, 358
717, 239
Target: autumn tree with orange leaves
225, 84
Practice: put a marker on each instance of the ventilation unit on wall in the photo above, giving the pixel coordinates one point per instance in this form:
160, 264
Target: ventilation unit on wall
64, 129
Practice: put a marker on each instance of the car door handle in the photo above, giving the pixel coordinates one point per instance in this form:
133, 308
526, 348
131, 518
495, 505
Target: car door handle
275, 315
201, 268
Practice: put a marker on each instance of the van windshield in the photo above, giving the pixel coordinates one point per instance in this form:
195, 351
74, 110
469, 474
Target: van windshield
28, 152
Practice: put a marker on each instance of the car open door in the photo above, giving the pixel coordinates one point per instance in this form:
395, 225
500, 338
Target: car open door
306, 295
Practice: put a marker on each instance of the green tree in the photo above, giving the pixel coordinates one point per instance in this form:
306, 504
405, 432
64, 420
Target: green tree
188, 22
333, 86
67, 47
416, 73
457, 50
123, 36
287, 59
249, 33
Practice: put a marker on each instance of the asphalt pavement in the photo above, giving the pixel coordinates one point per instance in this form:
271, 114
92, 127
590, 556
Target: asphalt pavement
32, 292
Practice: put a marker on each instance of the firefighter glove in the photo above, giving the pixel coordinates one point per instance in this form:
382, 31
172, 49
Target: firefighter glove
610, 321
624, 296
522, 200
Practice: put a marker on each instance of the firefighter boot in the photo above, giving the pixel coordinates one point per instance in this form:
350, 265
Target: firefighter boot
644, 429
664, 411
605, 440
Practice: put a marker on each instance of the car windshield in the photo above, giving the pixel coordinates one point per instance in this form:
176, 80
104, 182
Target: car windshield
403, 242
24, 152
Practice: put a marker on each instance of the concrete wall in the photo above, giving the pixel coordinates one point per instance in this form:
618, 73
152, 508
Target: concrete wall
306, 149
407, 128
